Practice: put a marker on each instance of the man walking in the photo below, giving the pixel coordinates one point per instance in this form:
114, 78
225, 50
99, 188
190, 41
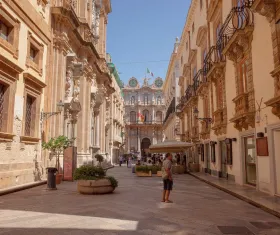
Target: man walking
167, 178
120, 160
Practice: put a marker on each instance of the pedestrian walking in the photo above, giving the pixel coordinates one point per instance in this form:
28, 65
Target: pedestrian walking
120, 160
167, 178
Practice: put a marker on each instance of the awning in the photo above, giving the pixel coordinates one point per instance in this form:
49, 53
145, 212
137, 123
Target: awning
172, 146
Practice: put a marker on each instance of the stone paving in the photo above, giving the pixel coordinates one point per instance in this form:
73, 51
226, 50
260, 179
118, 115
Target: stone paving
134, 208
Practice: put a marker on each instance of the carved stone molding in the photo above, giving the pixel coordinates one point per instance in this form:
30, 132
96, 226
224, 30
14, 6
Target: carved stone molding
265, 8
239, 43
244, 111
214, 6
220, 121
205, 131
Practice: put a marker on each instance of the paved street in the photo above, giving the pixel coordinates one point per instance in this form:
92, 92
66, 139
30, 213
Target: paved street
134, 208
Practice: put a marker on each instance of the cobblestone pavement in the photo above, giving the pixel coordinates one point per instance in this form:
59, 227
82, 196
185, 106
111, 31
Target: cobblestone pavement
134, 208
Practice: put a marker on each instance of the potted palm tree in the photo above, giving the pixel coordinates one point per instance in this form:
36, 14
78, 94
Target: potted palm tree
56, 146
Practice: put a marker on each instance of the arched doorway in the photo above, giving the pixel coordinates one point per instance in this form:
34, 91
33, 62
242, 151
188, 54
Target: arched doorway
145, 144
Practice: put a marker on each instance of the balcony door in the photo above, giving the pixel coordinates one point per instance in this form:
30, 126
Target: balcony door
250, 160
208, 160
223, 149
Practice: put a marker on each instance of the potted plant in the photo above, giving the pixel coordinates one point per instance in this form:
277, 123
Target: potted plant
56, 146
99, 158
93, 180
143, 171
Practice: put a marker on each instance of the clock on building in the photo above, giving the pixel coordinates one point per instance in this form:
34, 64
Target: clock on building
158, 82
133, 82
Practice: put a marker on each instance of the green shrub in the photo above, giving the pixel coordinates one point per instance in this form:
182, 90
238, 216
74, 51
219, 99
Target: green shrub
93, 173
155, 169
113, 181
99, 158
144, 169
88, 173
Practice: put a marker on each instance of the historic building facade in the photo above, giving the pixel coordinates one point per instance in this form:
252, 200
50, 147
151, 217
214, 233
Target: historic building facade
144, 113
52, 54
229, 108
171, 90
116, 132
24, 41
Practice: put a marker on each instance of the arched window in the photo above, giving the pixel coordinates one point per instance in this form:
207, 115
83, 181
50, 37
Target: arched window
158, 100
194, 72
158, 116
132, 100
146, 115
132, 116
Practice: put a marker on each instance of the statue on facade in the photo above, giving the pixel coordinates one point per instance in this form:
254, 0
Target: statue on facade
146, 81
68, 82
76, 91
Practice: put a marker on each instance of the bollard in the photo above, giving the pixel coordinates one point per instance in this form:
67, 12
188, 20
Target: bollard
51, 183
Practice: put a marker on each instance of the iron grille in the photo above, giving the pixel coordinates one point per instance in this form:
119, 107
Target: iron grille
28, 116
2, 93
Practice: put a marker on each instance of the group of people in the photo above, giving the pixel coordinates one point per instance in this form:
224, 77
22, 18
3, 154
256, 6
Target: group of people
128, 161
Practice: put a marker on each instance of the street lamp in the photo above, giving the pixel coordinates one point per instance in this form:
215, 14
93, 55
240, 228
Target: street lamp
46, 115
206, 120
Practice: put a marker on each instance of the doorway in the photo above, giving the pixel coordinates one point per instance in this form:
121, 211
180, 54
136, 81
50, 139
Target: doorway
145, 144
207, 157
250, 160
223, 146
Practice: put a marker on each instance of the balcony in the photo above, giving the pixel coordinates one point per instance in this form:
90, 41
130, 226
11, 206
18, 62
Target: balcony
143, 123
220, 121
195, 134
265, 8
191, 96
244, 111
200, 82
69, 5
236, 33
214, 63
187, 136
205, 130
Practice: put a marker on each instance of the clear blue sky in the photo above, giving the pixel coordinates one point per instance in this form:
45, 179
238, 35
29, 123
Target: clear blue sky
143, 31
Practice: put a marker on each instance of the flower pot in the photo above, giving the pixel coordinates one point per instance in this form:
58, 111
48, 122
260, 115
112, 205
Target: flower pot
100, 186
143, 174
58, 178
159, 173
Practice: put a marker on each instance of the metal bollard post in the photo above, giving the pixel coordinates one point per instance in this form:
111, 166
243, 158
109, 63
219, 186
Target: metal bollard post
51, 183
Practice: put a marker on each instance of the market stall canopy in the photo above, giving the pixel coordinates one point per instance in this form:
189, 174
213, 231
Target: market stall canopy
172, 146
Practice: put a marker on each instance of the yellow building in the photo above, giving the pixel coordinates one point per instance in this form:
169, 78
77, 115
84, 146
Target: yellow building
24, 40
230, 99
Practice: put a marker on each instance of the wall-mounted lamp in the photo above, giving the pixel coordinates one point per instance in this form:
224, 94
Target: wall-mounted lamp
206, 120
46, 115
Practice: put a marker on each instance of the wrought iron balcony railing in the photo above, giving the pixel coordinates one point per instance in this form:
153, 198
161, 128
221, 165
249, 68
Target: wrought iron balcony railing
238, 19
149, 122
190, 92
171, 109
213, 57
199, 78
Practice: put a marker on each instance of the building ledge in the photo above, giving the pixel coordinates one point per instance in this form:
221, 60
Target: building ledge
7, 137
29, 140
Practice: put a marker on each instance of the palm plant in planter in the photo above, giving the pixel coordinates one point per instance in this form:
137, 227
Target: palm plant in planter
56, 146
93, 180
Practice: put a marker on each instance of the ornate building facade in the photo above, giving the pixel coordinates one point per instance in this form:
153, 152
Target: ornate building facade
144, 113
229, 78
60, 59
171, 90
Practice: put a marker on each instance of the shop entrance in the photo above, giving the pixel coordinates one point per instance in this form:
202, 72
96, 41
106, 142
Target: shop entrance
145, 144
223, 146
207, 157
250, 160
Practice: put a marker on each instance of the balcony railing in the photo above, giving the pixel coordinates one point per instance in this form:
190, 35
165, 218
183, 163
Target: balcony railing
138, 122
238, 19
241, 104
214, 56
190, 92
199, 79
171, 109
68, 4
195, 133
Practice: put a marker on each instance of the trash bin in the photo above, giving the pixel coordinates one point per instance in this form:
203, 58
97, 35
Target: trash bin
51, 183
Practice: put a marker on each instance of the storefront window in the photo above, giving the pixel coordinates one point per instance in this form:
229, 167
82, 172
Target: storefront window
250, 160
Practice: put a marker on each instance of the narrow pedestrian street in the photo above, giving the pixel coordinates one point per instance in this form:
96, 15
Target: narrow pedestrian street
134, 208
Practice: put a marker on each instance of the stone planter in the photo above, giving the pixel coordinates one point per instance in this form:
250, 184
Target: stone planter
194, 167
101, 186
143, 174
159, 173
58, 178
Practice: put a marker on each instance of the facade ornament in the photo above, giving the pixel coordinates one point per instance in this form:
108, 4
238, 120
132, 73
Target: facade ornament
76, 90
95, 19
68, 83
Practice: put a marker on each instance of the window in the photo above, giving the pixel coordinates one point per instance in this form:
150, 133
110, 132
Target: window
187, 46
182, 60
193, 27
132, 117
201, 4
132, 101
158, 117
242, 76
29, 115
4, 31
2, 102
33, 54
146, 115
219, 91
146, 100
194, 72
158, 100
205, 104
218, 29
